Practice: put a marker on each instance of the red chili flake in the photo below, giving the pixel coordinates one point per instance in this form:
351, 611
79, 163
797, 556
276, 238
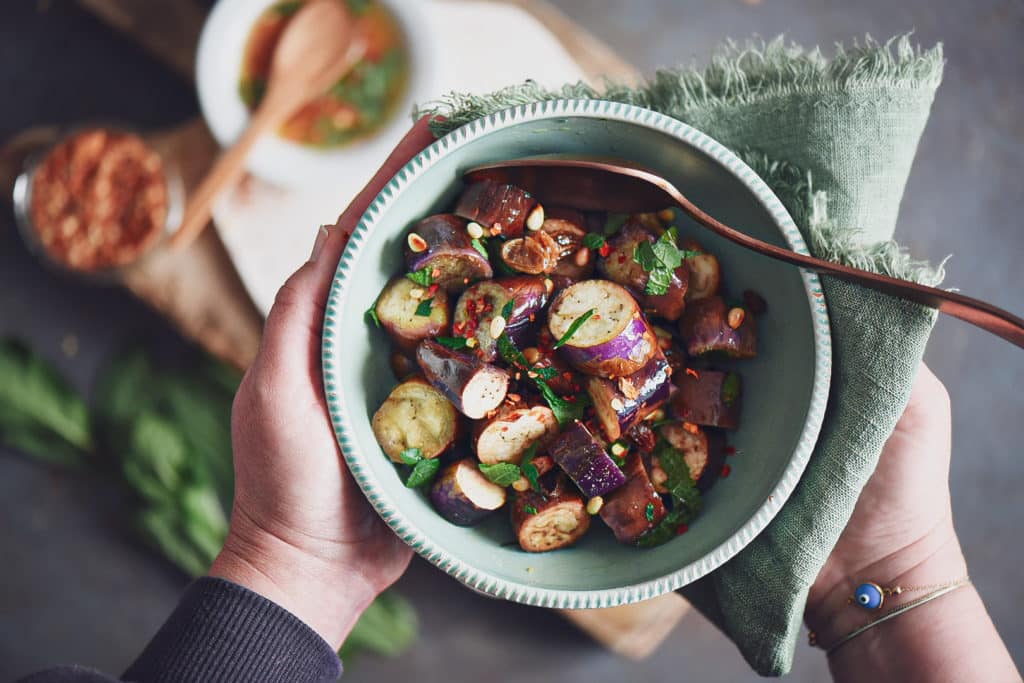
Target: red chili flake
604, 250
457, 328
533, 316
435, 273
470, 306
465, 280
622, 258
432, 289
726, 469
730, 450
504, 428
692, 373
691, 428
488, 308
597, 316
570, 399
681, 529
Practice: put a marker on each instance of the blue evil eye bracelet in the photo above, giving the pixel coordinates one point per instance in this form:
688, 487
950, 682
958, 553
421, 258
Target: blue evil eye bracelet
871, 596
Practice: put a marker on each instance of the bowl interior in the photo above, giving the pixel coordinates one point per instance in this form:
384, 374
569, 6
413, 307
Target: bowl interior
780, 419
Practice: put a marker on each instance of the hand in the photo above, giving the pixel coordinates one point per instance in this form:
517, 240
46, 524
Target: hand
302, 534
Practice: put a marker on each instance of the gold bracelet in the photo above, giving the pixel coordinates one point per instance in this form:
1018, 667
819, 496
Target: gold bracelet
871, 596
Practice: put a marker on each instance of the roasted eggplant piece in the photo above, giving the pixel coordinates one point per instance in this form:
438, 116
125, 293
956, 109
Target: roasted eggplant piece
622, 402
705, 272
712, 325
565, 383
615, 341
708, 397
396, 309
533, 253
463, 495
415, 415
515, 426
442, 244
703, 451
556, 519
403, 365
479, 305
634, 508
499, 208
620, 266
473, 386
585, 460
567, 228
642, 436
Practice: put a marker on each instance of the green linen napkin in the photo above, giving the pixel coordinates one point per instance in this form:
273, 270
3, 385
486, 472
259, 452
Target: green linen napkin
835, 140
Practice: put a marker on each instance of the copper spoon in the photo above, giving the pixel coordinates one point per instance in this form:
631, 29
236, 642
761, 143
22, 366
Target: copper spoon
599, 184
317, 48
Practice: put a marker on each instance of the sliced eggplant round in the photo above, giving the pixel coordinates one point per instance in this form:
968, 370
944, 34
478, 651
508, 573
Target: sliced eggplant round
474, 387
708, 397
516, 426
705, 273
585, 460
620, 266
705, 327
497, 207
703, 450
614, 341
567, 228
549, 522
621, 403
464, 496
479, 305
396, 309
415, 415
442, 244
634, 508
533, 254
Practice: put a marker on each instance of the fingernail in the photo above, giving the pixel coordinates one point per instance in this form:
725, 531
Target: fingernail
318, 246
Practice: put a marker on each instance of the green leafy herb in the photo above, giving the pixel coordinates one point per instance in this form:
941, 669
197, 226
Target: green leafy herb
479, 245
287, 8
565, 411
731, 386
502, 473
659, 259
614, 222
371, 315
455, 343
690, 253
422, 277
649, 512
574, 328
530, 470
531, 510
593, 240
423, 309
545, 373
685, 497
423, 473
411, 456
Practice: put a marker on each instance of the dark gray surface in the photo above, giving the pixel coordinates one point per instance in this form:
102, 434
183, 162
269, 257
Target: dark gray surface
76, 587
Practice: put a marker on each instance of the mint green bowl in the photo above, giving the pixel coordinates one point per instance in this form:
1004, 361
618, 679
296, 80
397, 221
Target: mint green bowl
786, 387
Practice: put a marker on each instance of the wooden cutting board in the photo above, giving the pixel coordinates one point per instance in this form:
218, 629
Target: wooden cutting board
200, 292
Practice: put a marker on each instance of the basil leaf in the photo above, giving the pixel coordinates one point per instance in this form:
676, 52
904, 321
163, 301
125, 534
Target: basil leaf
574, 327
422, 276
423, 310
411, 456
502, 473
593, 240
455, 343
423, 473
478, 244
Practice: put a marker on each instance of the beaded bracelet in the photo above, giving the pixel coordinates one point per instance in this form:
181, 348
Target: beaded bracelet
870, 595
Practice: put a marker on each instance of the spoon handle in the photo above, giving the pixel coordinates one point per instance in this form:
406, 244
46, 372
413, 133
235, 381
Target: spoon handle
978, 313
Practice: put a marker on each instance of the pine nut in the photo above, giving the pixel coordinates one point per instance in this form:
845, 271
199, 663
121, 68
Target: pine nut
735, 317
497, 327
475, 230
618, 449
582, 256
416, 243
594, 505
536, 218
416, 293
521, 484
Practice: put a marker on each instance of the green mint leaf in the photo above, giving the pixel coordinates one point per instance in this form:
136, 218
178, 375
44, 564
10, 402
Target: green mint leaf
645, 256
574, 327
371, 315
666, 250
686, 498
593, 240
531, 510
649, 512
690, 253
565, 411
658, 282
614, 222
478, 244
731, 387
423, 310
411, 456
422, 277
545, 373
502, 473
530, 470
455, 343
666, 529
506, 310
423, 473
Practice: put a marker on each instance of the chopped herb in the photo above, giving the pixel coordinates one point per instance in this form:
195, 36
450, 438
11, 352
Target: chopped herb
422, 277
530, 470
685, 497
659, 259
649, 512
371, 315
565, 411
545, 373
478, 244
574, 328
593, 240
424, 308
690, 253
502, 473
731, 386
531, 510
614, 222
455, 343
411, 456
423, 473
506, 310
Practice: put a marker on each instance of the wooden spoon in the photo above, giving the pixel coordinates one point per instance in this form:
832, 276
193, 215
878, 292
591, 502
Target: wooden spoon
600, 184
317, 48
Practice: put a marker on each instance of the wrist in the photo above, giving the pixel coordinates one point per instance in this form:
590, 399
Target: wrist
322, 593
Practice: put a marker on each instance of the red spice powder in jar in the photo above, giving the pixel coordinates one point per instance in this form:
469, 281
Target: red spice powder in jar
99, 199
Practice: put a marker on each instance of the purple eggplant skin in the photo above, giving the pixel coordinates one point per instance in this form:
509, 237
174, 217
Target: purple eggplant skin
484, 301
705, 327
396, 310
620, 266
584, 459
711, 398
449, 253
474, 387
454, 501
634, 508
496, 205
625, 354
621, 403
